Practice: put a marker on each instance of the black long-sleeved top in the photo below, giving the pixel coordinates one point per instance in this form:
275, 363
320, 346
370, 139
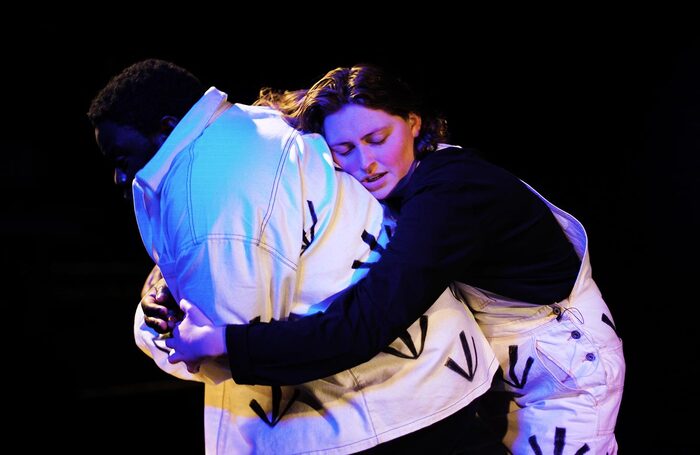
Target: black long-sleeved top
460, 218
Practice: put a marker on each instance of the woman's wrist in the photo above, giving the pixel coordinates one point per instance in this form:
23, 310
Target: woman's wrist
216, 342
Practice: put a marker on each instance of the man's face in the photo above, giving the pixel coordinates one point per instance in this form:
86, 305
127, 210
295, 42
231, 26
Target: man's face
127, 149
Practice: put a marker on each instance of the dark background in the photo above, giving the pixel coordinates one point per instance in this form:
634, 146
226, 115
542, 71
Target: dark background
602, 120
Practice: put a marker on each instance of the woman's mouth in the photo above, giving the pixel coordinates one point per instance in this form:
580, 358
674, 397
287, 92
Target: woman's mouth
373, 178
374, 182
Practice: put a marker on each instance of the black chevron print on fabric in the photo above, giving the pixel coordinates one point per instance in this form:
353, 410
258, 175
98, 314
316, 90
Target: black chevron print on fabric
389, 231
370, 240
609, 322
559, 444
513, 357
306, 241
276, 415
472, 364
408, 341
534, 445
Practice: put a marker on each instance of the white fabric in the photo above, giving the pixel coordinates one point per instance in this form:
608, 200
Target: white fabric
222, 208
569, 397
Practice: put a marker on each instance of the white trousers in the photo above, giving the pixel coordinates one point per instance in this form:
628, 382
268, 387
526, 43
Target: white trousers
563, 368
562, 377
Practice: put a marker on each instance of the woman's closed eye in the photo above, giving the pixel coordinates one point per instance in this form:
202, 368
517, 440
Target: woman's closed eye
377, 139
342, 150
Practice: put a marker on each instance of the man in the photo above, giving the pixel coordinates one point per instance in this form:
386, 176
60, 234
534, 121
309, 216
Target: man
248, 219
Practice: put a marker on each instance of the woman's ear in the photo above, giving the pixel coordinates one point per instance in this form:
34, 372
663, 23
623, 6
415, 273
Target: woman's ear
414, 121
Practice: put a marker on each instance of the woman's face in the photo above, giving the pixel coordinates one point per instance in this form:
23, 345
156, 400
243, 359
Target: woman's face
371, 145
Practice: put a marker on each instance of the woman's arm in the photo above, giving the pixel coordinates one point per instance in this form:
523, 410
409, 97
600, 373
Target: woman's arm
436, 236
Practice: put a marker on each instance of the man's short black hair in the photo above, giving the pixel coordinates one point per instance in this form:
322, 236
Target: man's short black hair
145, 92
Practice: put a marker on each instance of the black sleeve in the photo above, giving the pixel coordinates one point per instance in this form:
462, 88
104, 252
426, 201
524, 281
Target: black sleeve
437, 234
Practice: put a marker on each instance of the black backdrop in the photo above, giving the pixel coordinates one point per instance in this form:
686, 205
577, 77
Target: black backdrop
604, 123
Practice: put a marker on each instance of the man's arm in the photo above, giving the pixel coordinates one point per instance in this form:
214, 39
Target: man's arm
209, 274
151, 338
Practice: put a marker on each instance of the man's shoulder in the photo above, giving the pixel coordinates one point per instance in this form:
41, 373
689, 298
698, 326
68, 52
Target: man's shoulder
258, 111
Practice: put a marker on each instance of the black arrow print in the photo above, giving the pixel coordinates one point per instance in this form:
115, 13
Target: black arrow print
370, 240
408, 341
306, 241
559, 443
471, 364
609, 322
276, 402
513, 357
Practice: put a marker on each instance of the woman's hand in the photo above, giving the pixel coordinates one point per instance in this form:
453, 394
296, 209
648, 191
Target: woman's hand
195, 338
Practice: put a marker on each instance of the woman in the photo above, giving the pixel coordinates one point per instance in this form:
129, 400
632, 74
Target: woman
520, 263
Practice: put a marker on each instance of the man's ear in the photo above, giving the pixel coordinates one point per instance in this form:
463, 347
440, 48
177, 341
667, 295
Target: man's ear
167, 124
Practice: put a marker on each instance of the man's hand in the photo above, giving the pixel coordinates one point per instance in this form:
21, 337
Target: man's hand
195, 338
151, 280
160, 310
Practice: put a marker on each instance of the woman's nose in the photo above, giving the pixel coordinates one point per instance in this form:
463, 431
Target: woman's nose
371, 168
367, 161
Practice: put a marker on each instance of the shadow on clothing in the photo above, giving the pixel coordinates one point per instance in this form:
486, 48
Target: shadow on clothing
464, 432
